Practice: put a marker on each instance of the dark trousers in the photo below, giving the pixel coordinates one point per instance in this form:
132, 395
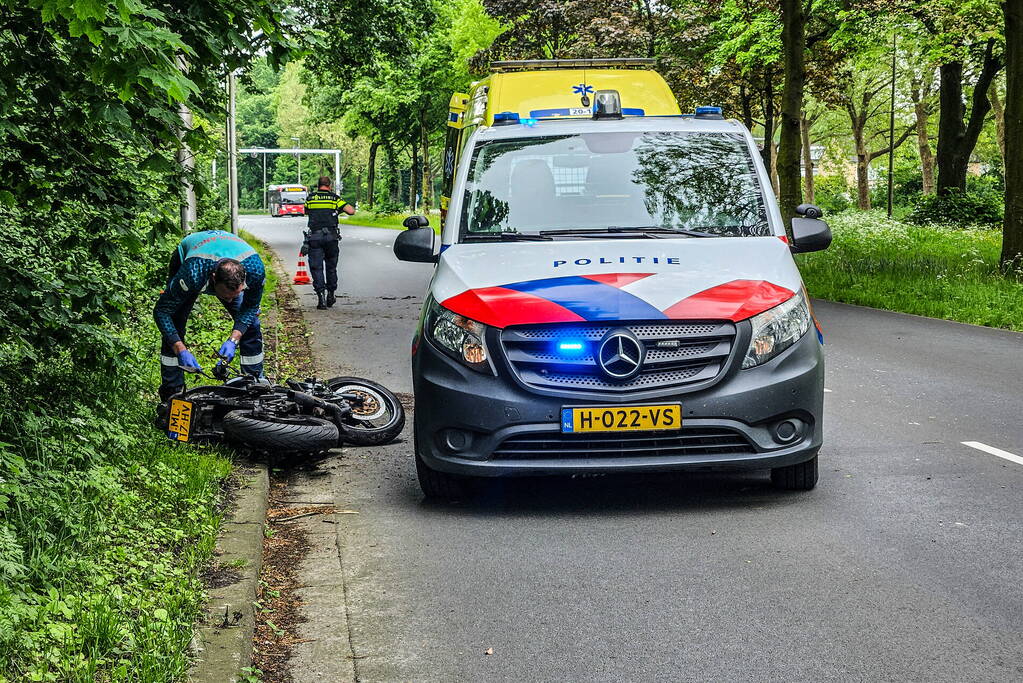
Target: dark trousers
323, 254
250, 348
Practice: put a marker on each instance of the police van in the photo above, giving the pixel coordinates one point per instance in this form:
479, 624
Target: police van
614, 289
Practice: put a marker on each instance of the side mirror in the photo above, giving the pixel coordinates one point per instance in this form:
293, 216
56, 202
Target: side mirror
810, 233
415, 244
809, 211
413, 222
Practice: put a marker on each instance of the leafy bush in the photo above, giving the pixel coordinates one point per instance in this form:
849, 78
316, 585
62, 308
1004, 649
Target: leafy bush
982, 207
832, 193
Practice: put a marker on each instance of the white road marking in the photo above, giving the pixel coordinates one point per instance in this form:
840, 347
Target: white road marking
827, 391
994, 451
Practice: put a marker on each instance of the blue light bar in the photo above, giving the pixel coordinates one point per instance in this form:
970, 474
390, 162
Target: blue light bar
709, 113
529, 122
505, 117
570, 346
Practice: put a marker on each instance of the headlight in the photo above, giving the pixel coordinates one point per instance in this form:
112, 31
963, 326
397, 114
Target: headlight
461, 338
777, 329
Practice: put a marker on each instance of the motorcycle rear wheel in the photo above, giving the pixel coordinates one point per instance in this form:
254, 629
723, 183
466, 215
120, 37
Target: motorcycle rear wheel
292, 434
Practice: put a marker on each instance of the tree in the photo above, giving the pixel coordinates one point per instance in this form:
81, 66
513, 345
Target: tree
865, 101
968, 58
1012, 230
793, 40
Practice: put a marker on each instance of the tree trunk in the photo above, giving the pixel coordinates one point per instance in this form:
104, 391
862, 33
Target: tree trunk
767, 152
427, 182
804, 131
393, 177
745, 100
358, 188
372, 173
1012, 230
413, 173
956, 138
793, 41
923, 141
862, 168
998, 109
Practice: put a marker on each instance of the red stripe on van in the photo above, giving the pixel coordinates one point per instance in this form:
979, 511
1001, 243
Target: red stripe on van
500, 307
735, 301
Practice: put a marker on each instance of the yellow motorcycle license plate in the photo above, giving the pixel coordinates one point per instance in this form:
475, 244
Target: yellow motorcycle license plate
180, 424
621, 419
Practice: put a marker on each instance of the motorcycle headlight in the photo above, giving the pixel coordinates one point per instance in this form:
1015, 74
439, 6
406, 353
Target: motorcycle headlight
777, 329
461, 338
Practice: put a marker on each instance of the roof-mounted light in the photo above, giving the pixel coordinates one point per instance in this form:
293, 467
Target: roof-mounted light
708, 113
607, 104
506, 118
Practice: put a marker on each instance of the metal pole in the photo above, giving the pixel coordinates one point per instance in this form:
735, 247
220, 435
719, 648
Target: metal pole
187, 162
264, 181
891, 134
337, 172
232, 158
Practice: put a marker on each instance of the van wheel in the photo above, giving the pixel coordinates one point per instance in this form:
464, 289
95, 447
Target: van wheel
440, 485
799, 477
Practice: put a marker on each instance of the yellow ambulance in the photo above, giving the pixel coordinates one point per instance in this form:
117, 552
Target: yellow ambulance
533, 90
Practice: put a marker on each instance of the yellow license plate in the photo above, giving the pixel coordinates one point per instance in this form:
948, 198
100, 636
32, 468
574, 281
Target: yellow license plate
180, 420
622, 419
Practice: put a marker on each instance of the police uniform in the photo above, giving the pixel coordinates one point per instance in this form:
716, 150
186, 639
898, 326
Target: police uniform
191, 267
322, 207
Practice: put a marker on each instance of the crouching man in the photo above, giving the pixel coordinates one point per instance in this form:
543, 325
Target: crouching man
218, 263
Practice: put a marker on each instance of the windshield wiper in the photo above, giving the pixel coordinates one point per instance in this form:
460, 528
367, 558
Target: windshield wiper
653, 232
506, 237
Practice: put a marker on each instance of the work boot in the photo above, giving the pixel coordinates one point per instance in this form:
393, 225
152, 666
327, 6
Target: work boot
321, 301
330, 299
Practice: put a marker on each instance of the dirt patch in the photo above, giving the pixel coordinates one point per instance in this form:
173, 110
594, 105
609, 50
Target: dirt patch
279, 610
408, 401
217, 576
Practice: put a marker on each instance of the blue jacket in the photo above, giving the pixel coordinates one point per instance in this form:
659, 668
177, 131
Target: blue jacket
199, 254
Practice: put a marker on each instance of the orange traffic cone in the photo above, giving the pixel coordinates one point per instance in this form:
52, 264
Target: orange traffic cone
301, 276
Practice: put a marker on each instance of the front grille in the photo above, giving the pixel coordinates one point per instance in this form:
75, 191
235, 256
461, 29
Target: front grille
690, 441
699, 355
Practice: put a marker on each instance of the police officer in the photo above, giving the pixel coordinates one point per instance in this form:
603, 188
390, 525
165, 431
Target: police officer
218, 263
322, 206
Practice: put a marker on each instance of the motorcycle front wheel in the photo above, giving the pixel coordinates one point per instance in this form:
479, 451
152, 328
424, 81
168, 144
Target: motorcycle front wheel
378, 419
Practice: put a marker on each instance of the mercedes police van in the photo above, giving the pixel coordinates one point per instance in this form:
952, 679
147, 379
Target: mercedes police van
614, 290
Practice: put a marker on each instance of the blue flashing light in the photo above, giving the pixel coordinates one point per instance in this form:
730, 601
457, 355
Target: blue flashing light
571, 347
529, 122
708, 113
505, 117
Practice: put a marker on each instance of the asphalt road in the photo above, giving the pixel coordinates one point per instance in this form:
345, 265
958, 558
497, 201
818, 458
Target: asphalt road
906, 562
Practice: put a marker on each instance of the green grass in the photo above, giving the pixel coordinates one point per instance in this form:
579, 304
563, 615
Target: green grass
392, 221
934, 271
105, 525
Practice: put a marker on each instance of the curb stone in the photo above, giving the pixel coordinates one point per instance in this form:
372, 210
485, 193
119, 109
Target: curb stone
223, 637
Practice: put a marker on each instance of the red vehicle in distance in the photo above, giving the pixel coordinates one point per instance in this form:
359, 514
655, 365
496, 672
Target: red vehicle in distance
287, 200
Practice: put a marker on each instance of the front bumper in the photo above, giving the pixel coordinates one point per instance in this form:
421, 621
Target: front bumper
463, 417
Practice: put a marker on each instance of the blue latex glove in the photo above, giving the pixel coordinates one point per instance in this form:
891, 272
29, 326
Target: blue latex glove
187, 362
227, 350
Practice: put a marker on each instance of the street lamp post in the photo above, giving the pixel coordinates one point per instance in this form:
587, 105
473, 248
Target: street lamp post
232, 152
298, 144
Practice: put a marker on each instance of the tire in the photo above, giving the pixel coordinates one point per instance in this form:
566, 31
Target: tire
799, 477
382, 424
441, 486
298, 434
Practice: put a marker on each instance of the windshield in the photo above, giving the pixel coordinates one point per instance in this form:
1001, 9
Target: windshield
702, 182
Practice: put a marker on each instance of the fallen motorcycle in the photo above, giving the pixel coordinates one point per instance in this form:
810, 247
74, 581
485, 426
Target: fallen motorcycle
298, 417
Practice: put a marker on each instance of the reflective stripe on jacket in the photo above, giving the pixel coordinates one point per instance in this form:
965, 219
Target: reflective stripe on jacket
322, 207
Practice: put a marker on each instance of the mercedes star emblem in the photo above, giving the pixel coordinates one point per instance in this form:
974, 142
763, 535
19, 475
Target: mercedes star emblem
620, 355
